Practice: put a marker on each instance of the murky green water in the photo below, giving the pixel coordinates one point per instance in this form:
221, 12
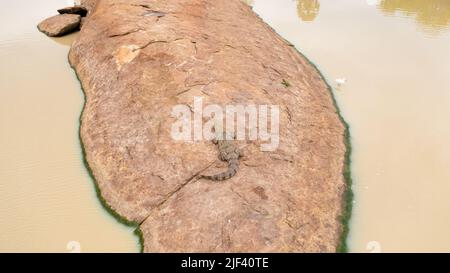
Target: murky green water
395, 57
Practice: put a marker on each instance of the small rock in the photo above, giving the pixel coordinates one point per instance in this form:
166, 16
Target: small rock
80, 10
59, 25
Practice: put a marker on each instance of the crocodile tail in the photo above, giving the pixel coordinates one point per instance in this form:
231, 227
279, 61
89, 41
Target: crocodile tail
222, 176
233, 167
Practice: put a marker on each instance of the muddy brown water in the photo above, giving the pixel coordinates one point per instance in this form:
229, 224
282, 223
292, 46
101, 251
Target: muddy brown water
48, 201
395, 57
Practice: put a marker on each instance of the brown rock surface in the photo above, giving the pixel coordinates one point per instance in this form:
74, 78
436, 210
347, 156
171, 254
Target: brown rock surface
59, 24
80, 10
82, 22
138, 59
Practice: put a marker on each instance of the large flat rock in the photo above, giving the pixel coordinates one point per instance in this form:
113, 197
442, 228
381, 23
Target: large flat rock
138, 59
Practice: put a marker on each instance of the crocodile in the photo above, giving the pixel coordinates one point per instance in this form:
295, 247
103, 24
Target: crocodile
228, 152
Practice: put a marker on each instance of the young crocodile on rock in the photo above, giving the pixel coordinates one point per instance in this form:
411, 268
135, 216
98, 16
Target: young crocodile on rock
228, 152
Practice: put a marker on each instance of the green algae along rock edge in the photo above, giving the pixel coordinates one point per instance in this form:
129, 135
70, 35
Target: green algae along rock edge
138, 59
